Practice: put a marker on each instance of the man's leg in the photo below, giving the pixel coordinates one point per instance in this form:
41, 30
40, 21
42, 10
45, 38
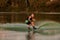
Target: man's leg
28, 26
33, 25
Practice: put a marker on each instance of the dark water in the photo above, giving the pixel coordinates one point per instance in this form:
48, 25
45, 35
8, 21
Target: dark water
39, 17
20, 17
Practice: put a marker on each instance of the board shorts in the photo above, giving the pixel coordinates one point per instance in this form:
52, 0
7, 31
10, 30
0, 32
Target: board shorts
27, 22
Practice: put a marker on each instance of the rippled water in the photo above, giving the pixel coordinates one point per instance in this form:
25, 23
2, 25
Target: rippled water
13, 35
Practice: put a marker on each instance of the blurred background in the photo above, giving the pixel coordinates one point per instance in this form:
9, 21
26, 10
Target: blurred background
12, 11
16, 11
29, 5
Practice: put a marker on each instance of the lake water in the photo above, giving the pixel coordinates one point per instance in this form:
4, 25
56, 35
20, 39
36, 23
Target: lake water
13, 35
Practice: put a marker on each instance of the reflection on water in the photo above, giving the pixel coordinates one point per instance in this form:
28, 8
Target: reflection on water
31, 35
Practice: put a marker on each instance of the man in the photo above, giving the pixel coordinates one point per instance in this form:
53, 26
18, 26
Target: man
30, 21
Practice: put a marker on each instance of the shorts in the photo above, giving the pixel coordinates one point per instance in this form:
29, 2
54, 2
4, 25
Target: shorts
27, 22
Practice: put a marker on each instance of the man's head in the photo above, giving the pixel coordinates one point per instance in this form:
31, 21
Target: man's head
32, 15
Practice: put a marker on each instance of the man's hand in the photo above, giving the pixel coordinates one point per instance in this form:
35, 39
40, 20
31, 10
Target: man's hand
33, 19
